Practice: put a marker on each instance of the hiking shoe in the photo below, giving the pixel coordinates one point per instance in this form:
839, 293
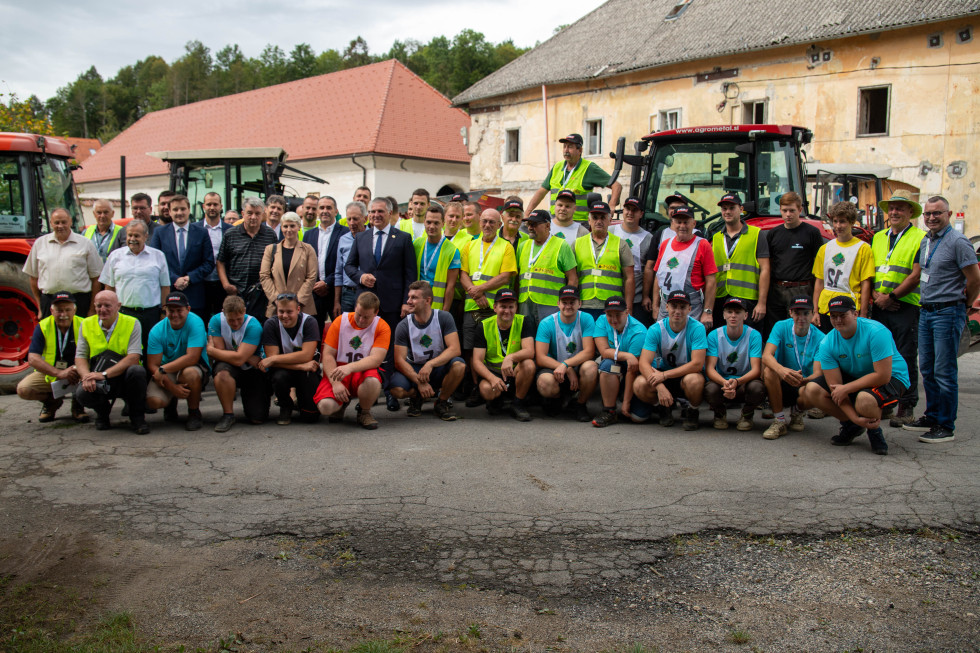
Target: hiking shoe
414, 407
285, 416
141, 428
922, 425
444, 411
666, 416
887, 412
745, 422
878, 444
937, 434
796, 421
225, 423
194, 420
691, 419
815, 413
519, 412
720, 422
78, 412
475, 398
47, 412
901, 418
848, 431
339, 415
365, 419
582, 413
776, 429
605, 418
170, 412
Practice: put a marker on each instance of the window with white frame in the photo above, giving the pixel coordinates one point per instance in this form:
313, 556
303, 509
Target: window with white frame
755, 112
593, 137
670, 119
512, 146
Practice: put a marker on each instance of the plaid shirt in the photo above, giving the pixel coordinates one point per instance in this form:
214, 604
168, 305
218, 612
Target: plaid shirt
242, 254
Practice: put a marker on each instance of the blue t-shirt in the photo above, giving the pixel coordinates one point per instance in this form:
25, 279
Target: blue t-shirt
696, 338
788, 344
173, 344
430, 255
856, 356
546, 331
631, 340
253, 333
755, 346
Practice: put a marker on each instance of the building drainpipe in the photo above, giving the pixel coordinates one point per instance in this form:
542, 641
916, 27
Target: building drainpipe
353, 158
544, 107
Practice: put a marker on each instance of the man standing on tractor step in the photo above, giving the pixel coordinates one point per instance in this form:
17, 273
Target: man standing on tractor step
576, 175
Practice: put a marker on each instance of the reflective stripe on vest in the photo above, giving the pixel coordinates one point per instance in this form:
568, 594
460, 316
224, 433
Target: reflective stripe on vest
440, 277
461, 240
900, 263
492, 263
546, 279
494, 357
601, 279
574, 184
90, 234
48, 330
118, 343
742, 278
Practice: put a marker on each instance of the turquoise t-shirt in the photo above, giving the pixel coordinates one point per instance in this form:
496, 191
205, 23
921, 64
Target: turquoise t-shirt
856, 356
253, 332
174, 344
631, 340
546, 331
755, 346
696, 339
788, 345
430, 255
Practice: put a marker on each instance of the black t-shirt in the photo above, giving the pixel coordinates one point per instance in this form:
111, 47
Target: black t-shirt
792, 252
287, 259
527, 331
270, 331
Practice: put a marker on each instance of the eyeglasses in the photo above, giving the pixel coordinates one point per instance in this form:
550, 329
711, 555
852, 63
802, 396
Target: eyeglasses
933, 214
286, 295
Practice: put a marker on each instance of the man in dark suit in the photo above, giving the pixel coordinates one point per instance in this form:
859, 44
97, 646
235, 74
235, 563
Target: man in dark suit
215, 227
187, 247
324, 241
382, 261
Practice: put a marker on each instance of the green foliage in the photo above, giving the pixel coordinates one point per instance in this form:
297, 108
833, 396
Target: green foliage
27, 116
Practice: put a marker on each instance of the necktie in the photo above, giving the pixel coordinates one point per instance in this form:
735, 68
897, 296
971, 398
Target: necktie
377, 246
180, 245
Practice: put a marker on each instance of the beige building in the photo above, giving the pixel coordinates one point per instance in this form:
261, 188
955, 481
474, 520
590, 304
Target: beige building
880, 82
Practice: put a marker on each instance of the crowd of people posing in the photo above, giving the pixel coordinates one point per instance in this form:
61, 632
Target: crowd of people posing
514, 310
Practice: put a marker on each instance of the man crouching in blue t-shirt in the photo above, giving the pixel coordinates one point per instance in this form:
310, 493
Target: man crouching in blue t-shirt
862, 373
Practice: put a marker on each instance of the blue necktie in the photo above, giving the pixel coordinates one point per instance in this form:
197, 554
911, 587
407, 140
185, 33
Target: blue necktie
377, 247
180, 245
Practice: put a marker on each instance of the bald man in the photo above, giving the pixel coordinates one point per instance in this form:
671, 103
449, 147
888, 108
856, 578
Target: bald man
106, 235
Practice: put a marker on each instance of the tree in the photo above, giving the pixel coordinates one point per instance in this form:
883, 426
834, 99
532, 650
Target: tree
17, 116
78, 109
357, 54
329, 61
302, 63
272, 66
233, 72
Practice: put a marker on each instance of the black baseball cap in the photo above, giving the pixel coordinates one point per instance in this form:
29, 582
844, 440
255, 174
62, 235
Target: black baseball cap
506, 295
803, 302
574, 139
63, 296
513, 204
177, 299
538, 215
735, 302
676, 197
568, 292
841, 304
683, 213
460, 197
565, 194
632, 201
600, 207
616, 303
678, 296
730, 198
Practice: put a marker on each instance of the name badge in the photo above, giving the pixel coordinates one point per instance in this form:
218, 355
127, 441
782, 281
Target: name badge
616, 368
61, 365
726, 267
924, 276
883, 269
527, 276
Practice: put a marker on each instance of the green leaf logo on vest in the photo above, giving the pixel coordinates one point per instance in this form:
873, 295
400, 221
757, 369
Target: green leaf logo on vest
356, 342
672, 263
629, 243
673, 347
425, 340
571, 347
732, 357
838, 259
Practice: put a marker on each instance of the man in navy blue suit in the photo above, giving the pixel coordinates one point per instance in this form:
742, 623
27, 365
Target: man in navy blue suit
382, 261
215, 227
190, 257
323, 239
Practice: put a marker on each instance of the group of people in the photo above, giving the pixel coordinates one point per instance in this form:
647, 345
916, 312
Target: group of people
503, 307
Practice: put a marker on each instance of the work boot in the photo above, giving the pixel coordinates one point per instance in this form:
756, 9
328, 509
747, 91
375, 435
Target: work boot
444, 411
475, 398
745, 422
170, 412
666, 416
519, 412
796, 421
48, 410
815, 413
901, 418
194, 420
721, 421
767, 410
776, 430
878, 444
414, 406
78, 411
691, 418
365, 419
495, 406
848, 431
582, 413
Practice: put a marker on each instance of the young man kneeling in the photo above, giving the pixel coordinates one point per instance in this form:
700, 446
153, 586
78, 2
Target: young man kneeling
564, 351
734, 366
503, 356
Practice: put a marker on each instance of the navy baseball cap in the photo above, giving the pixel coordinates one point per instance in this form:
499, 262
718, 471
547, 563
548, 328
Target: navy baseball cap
841, 304
730, 198
568, 292
616, 303
574, 139
678, 296
632, 201
735, 302
683, 213
600, 207
506, 295
677, 197
177, 299
538, 215
565, 195
460, 197
63, 296
803, 302
513, 204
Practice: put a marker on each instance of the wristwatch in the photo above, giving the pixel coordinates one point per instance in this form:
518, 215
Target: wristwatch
707, 311
105, 376
893, 297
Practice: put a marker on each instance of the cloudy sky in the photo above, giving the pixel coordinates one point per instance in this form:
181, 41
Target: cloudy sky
48, 44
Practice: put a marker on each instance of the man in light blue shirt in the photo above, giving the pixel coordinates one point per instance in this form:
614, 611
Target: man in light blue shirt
345, 289
734, 366
619, 339
564, 351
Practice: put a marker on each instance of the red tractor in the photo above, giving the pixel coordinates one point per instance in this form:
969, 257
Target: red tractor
35, 179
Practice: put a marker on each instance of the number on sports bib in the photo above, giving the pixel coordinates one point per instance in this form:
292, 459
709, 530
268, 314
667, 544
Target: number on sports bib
671, 359
833, 277
353, 357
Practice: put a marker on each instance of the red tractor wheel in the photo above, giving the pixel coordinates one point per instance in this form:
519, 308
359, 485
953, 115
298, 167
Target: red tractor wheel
18, 317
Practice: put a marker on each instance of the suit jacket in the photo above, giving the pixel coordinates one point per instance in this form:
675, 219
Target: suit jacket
198, 258
300, 280
312, 238
394, 273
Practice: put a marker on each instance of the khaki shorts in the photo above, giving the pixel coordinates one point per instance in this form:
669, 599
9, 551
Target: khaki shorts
153, 389
34, 387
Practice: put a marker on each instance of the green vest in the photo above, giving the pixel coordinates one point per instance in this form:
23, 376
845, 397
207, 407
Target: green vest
48, 330
545, 278
899, 264
742, 276
446, 253
573, 184
406, 226
601, 279
491, 267
116, 230
118, 343
494, 357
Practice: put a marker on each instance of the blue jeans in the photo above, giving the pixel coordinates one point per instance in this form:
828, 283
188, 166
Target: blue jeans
939, 338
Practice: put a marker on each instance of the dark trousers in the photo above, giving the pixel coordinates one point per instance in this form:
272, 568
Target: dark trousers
348, 299
82, 301
324, 306
214, 297
904, 325
304, 382
777, 304
130, 386
147, 317
751, 394
388, 367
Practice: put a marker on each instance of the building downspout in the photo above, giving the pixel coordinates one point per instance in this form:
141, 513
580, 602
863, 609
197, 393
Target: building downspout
544, 107
353, 158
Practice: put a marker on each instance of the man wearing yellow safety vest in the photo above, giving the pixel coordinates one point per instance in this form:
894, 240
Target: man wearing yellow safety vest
605, 264
510, 230
106, 235
576, 175
503, 357
438, 260
895, 296
52, 355
742, 258
545, 263
414, 224
107, 358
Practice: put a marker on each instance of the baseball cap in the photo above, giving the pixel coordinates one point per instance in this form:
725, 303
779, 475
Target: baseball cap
63, 296
683, 213
513, 204
676, 197
506, 295
678, 296
600, 207
565, 195
730, 198
632, 201
735, 302
801, 302
574, 139
460, 197
616, 303
841, 304
568, 292
177, 299
538, 215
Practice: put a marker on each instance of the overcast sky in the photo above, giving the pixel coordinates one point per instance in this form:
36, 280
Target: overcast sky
48, 44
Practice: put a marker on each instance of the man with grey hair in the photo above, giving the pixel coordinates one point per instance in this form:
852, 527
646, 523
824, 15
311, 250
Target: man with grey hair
323, 239
240, 257
345, 290
106, 235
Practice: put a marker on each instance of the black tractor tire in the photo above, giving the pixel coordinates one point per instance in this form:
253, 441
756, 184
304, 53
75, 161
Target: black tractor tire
13, 278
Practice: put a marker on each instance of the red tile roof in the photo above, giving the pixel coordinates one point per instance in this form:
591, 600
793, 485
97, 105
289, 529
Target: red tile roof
382, 108
84, 147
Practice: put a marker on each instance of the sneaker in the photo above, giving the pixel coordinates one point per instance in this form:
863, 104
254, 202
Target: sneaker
901, 418
691, 419
170, 412
796, 421
745, 422
776, 430
475, 398
848, 431
582, 413
141, 428
720, 422
339, 415
519, 412
666, 416
444, 411
414, 407
285, 416
815, 413
194, 420
937, 434
365, 419
605, 418
391, 403
922, 425
878, 444
225, 423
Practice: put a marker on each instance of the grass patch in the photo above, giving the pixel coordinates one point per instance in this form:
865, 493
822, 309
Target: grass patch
739, 636
377, 646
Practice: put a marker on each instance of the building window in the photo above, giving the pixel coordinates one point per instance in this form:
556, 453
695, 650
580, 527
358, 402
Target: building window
873, 111
678, 9
512, 151
754, 112
670, 119
593, 137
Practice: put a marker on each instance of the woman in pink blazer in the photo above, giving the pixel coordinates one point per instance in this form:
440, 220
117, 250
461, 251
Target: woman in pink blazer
289, 266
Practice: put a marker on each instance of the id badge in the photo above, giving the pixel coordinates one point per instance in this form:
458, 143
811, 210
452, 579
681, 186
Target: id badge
616, 368
476, 277
883, 269
527, 276
726, 267
924, 276
61, 365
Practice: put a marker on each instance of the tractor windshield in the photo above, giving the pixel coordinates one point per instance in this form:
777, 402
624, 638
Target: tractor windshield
30, 186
